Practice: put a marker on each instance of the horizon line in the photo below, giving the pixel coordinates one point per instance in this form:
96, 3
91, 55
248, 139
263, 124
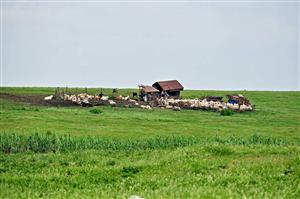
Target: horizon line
187, 89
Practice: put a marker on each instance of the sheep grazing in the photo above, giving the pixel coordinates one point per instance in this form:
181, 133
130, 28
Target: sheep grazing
85, 102
73, 98
49, 97
146, 107
81, 96
120, 97
240, 101
162, 102
90, 96
208, 103
111, 102
169, 107
176, 108
84, 99
104, 98
235, 102
132, 101
232, 106
245, 107
66, 97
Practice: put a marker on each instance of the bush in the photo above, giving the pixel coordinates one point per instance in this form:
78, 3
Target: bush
96, 111
226, 112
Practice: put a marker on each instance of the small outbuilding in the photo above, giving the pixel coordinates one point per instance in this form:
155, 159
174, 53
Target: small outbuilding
148, 92
170, 87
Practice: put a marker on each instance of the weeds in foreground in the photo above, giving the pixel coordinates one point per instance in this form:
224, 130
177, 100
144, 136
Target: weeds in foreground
226, 112
95, 111
42, 143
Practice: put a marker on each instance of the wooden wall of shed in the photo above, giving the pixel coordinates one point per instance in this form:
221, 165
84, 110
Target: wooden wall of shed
174, 93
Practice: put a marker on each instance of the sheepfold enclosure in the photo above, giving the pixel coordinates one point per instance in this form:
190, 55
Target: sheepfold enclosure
112, 152
235, 102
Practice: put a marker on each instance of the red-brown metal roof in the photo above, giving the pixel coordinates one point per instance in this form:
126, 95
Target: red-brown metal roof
149, 89
169, 85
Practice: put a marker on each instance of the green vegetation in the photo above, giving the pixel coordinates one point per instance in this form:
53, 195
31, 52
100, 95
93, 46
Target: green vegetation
95, 111
212, 171
13, 143
226, 112
110, 152
51, 90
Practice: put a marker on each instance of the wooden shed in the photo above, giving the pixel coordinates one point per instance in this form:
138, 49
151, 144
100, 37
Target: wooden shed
148, 92
170, 87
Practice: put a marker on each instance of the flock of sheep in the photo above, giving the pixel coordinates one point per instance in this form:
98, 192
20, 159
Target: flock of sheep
83, 99
204, 104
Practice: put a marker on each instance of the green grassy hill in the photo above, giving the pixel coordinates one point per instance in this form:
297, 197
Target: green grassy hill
154, 154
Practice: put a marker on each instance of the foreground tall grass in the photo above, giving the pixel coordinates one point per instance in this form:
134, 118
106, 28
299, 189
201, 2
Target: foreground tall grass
41, 143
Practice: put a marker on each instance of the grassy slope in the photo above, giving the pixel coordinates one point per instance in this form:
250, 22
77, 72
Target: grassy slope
277, 114
197, 172
193, 171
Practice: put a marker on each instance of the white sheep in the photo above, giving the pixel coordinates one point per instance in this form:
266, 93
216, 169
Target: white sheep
245, 107
169, 107
111, 102
66, 97
146, 107
176, 108
232, 106
90, 96
81, 96
73, 98
125, 98
49, 97
104, 98
85, 101
132, 101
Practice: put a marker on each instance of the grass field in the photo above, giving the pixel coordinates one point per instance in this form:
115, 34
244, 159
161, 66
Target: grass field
73, 152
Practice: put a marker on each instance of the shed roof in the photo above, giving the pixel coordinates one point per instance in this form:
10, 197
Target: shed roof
149, 89
169, 85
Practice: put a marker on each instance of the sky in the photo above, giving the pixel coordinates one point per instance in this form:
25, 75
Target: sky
205, 45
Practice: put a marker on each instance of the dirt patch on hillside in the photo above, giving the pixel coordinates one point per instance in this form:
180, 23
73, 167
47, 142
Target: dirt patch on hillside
37, 100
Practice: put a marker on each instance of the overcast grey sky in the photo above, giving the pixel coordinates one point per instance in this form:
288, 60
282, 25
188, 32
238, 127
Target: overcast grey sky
235, 45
